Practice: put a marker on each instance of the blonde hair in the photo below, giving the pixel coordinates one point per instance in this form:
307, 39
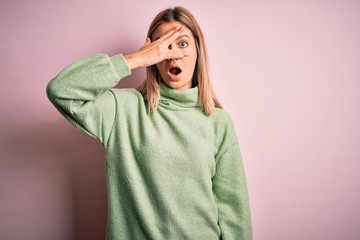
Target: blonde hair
150, 88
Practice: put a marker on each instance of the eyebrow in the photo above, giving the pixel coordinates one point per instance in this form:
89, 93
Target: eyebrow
181, 36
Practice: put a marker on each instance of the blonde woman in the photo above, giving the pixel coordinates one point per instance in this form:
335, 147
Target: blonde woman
174, 168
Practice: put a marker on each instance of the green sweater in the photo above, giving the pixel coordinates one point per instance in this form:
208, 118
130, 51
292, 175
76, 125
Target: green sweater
172, 174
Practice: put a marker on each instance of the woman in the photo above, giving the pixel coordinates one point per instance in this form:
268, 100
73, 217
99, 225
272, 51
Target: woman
173, 165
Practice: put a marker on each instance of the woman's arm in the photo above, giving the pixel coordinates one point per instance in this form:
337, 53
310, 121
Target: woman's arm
230, 190
81, 92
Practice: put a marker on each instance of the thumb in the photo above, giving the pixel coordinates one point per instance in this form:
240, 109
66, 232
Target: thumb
147, 41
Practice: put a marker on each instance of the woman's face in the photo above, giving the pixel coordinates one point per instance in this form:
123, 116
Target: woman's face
177, 73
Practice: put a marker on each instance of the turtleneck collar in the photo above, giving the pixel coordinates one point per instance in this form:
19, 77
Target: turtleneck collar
178, 99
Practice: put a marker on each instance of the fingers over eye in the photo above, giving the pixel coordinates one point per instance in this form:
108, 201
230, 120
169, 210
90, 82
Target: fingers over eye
172, 34
176, 33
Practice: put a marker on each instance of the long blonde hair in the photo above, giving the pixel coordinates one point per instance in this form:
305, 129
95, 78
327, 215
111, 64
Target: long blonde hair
150, 88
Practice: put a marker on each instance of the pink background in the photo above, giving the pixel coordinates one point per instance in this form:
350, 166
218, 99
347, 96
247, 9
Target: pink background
287, 71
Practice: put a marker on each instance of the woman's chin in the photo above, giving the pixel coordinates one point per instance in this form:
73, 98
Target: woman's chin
178, 84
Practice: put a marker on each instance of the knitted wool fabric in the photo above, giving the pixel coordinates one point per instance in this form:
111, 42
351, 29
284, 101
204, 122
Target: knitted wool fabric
172, 174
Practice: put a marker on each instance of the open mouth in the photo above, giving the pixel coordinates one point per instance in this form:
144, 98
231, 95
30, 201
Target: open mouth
175, 71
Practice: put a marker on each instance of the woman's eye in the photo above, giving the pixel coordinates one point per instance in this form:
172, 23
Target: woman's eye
183, 44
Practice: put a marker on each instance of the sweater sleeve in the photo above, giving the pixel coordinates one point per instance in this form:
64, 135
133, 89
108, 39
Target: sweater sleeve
231, 194
82, 93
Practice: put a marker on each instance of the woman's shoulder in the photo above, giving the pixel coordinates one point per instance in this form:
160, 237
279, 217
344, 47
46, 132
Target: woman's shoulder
224, 130
221, 116
222, 122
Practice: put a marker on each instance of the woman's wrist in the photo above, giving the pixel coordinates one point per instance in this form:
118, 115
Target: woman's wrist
131, 61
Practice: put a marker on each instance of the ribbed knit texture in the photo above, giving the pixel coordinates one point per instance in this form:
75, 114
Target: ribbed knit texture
172, 174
